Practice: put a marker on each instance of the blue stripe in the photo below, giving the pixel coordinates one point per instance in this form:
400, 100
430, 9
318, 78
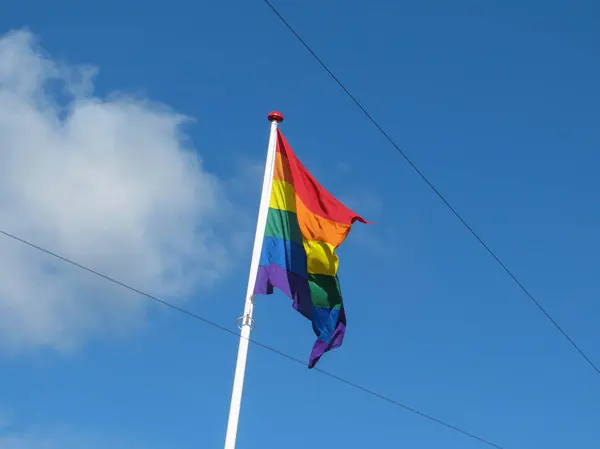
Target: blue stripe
284, 253
324, 321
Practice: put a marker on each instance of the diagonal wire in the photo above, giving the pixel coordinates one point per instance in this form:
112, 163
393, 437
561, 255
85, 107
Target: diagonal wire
261, 345
435, 190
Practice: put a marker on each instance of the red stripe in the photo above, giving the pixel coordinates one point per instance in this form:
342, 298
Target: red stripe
314, 196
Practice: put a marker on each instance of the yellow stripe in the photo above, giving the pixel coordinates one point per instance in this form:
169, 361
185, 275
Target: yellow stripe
283, 196
321, 258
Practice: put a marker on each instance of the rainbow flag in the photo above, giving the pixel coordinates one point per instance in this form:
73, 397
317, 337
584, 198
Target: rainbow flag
305, 226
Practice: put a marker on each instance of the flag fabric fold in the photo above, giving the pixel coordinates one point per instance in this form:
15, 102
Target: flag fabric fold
305, 225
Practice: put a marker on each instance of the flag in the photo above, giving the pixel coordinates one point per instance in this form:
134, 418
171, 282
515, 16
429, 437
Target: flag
305, 225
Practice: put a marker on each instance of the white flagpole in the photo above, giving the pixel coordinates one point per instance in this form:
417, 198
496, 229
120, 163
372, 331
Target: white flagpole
246, 322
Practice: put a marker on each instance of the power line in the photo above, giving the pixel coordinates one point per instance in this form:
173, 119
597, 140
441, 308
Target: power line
261, 345
435, 190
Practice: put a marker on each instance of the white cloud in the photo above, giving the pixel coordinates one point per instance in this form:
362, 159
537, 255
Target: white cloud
364, 202
32, 435
4, 421
64, 439
110, 183
26, 442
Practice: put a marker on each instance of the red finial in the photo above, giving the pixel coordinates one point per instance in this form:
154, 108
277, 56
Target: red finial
277, 116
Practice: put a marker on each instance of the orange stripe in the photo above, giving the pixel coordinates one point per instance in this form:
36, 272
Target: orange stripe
282, 169
319, 229
312, 226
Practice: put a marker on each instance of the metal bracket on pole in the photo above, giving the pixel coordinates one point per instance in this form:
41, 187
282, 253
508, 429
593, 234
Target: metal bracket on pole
245, 320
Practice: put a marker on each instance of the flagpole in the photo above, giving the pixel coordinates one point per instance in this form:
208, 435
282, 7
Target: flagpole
246, 323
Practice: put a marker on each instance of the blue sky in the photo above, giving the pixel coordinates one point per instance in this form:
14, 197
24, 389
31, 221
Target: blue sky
496, 103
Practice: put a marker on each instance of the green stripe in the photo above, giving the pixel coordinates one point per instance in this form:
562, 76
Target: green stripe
325, 291
283, 224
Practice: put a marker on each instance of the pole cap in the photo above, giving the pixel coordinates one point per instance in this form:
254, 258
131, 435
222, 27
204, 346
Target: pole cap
275, 116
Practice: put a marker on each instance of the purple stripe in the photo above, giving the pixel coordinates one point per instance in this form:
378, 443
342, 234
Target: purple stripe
292, 285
